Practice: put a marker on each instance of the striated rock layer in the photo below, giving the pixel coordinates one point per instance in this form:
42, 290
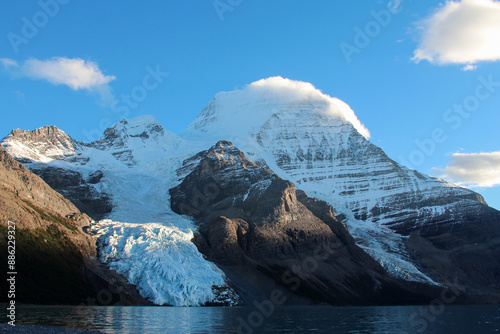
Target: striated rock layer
404, 219
416, 227
266, 236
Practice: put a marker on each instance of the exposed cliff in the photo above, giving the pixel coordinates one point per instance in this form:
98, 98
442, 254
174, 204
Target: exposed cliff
55, 258
265, 235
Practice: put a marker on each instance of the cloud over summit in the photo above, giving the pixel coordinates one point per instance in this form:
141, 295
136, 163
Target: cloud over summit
288, 91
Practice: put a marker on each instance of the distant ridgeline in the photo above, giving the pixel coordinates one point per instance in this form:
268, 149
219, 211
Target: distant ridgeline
274, 189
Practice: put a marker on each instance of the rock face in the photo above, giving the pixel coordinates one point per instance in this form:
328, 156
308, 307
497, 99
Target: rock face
394, 213
44, 144
293, 140
55, 259
463, 249
378, 190
74, 187
266, 235
41, 146
19, 185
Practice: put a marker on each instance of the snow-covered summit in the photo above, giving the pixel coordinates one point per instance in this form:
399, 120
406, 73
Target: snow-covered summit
318, 143
136, 141
44, 144
136, 132
289, 127
245, 111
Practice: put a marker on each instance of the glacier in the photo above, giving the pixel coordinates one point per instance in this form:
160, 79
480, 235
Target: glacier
307, 137
317, 142
141, 238
160, 260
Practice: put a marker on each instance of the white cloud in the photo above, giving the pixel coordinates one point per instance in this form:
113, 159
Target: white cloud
469, 67
461, 32
76, 73
289, 91
265, 102
473, 169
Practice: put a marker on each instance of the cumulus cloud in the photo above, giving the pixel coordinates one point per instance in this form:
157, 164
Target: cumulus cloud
461, 32
283, 86
76, 73
265, 102
288, 91
473, 169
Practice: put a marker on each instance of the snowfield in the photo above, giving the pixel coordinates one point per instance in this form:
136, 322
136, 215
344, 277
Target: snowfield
301, 134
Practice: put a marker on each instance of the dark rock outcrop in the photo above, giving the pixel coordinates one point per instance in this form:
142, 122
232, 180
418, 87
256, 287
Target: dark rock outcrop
55, 258
265, 235
74, 187
465, 250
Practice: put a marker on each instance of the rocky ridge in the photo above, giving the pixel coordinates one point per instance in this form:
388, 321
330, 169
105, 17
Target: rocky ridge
258, 228
55, 258
418, 228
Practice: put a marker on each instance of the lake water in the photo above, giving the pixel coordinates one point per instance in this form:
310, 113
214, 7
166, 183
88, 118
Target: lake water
373, 320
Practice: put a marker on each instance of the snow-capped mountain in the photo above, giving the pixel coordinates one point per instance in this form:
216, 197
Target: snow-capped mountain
302, 135
132, 167
44, 144
318, 143
259, 228
137, 141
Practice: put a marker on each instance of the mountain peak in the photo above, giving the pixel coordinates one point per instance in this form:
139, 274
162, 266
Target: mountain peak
47, 132
142, 120
141, 128
225, 153
138, 125
43, 144
245, 111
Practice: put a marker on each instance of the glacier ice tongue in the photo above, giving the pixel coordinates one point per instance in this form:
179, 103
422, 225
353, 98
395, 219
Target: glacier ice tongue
142, 239
160, 260
304, 136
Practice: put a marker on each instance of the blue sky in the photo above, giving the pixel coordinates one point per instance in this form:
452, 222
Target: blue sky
404, 80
